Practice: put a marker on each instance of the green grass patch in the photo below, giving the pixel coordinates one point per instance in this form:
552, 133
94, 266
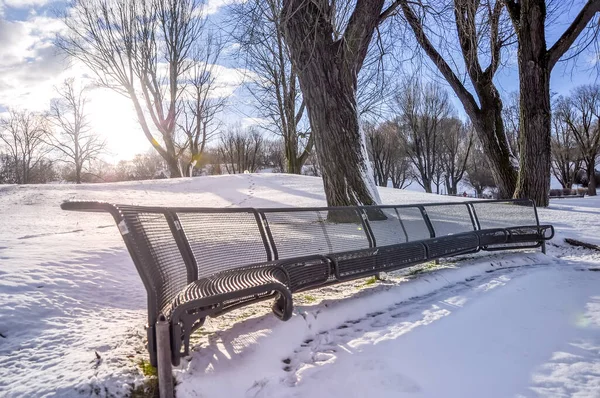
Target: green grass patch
371, 281
149, 387
427, 267
147, 369
308, 298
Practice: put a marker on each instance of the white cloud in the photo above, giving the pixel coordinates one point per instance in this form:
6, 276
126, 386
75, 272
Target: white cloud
31, 67
253, 121
24, 3
29, 63
213, 6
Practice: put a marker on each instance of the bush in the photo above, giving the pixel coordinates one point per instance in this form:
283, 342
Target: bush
556, 193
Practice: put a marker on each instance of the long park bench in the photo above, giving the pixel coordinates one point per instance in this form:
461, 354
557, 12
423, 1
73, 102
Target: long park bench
200, 262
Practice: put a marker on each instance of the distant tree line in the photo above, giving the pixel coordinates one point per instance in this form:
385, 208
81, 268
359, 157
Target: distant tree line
424, 143
324, 79
576, 138
57, 144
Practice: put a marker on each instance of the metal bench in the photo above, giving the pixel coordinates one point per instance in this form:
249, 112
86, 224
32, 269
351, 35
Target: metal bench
199, 262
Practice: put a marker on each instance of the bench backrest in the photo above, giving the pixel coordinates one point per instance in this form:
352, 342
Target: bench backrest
172, 247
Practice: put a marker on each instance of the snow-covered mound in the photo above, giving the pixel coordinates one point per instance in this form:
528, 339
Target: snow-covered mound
72, 309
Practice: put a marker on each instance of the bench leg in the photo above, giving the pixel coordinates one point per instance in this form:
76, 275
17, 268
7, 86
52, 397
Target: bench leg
544, 246
163, 345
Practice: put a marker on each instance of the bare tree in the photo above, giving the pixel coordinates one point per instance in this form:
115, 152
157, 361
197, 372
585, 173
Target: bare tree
312, 165
141, 49
581, 113
71, 135
536, 62
457, 142
241, 150
421, 109
22, 133
200, 103
510, 116
7, 171
566, 155
388, 154
483, 32
147, 166
380, 147
275, 155
328, 50
274, 82
400, 168
478, 174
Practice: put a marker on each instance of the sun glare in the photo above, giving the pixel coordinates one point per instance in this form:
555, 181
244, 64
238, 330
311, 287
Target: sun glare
113, 116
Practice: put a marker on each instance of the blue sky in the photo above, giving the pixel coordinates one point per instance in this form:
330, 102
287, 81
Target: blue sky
30, 68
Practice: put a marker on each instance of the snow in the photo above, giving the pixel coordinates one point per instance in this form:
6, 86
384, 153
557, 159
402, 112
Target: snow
517, 324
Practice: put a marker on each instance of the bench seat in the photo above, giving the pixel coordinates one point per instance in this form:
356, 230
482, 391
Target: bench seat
223, 292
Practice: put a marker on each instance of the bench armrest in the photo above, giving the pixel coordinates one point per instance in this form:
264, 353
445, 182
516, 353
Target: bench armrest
89, 206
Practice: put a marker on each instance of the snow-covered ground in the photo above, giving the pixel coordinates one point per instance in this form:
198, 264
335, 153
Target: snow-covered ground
72, 309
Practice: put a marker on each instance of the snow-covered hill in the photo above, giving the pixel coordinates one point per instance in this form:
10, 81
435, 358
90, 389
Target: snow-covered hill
72, 309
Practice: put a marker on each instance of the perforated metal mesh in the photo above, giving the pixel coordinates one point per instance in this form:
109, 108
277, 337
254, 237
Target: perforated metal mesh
300, 233
451, 245
400, 256
230, 282
450, 219
163, 263
413, 222
504, 214
308, 272
390, 230
355, 263
493, 236
223, 241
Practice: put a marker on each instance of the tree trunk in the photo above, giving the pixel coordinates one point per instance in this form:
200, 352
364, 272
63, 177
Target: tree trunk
294, 162
331, 105
592, 176
427, 185
486, 116
327, 71
77, 174
490, 130
534, 86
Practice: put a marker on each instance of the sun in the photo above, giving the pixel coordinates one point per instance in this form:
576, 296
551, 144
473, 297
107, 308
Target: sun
113, 117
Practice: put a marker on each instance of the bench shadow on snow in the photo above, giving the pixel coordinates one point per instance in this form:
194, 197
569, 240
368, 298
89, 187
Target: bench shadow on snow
237, 341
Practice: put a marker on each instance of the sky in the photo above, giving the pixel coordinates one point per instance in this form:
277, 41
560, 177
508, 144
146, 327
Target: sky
31, 67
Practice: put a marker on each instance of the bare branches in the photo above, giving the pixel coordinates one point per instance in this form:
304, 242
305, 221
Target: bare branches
358, 34
456, 144
562, 45
580, 113
241, 150
463, 94
200, 103
388, 155
421, 110
566, 155
22, 135
473, 21
144, 50
274, 82
70, 134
